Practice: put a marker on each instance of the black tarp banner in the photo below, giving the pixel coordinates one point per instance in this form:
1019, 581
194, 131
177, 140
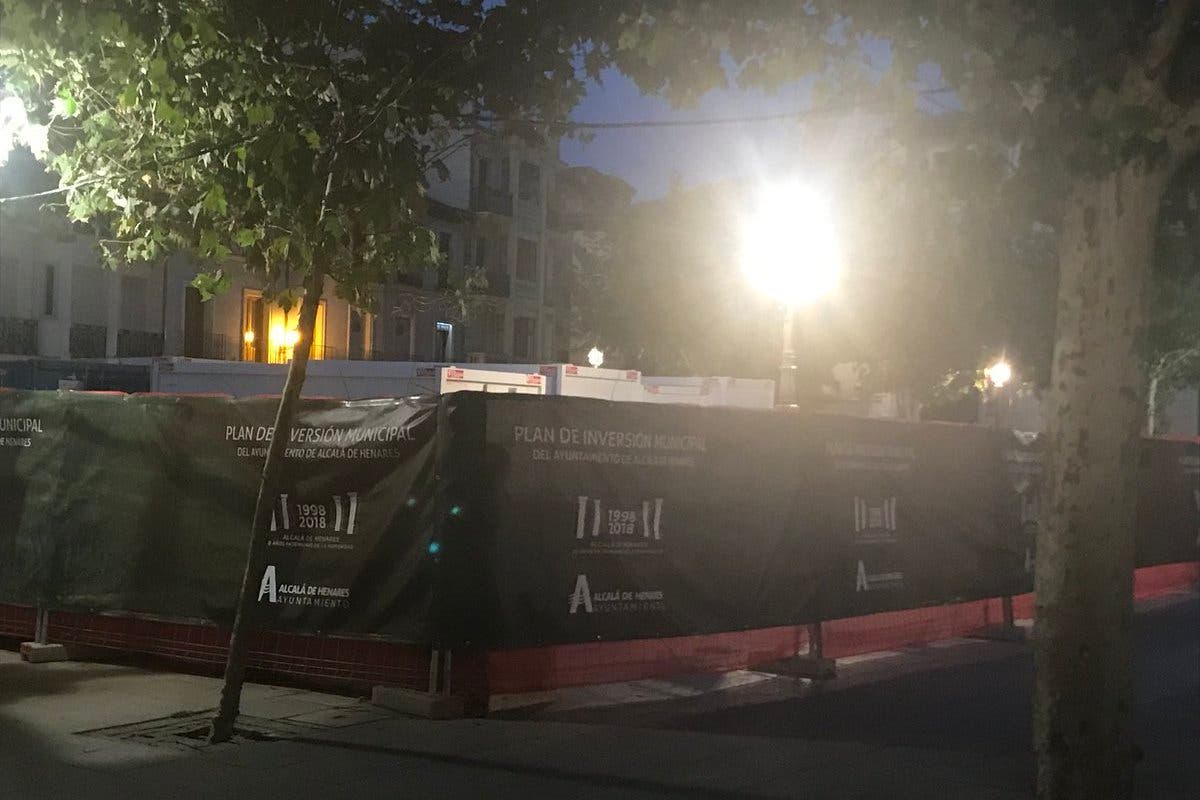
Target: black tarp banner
582, 520
142, 504
507, 521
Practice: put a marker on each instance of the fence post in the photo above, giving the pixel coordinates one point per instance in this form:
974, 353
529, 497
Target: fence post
40, 651
816, 641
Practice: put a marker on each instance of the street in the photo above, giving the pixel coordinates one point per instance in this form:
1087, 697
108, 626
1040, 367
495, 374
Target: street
950, 719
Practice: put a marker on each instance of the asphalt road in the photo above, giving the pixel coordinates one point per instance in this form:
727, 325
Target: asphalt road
984, 707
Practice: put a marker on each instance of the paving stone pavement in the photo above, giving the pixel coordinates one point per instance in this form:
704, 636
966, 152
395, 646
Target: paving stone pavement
762, 738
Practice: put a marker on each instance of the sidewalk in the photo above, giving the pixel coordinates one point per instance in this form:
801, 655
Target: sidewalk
348, 748
344, 747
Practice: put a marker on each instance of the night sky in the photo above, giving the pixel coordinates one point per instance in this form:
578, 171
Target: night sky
651, 159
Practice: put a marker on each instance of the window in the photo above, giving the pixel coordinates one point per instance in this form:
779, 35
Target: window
254, 326
527, 260
194, 327
402, 330
133, 303
502, 257
360, 344
529, 182
283, 333
48, 291
524, 331
484, 169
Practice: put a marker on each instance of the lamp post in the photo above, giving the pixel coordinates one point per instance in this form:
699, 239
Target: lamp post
998, 374
789, 251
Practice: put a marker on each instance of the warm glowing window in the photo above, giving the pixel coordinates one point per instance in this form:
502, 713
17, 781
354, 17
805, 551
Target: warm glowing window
254, 326
283, 334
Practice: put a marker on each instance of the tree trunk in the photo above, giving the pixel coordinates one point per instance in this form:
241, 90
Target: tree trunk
1083, 695
1152, 406
268, 490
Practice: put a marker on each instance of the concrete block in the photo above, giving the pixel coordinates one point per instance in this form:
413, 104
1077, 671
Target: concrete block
811, 667
36, 653
418, 704
1000, 633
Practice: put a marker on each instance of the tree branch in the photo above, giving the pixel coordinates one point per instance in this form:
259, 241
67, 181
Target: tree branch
1163, 40
128, 171
1183, 137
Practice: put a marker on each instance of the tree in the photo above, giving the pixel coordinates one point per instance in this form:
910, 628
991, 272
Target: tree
665, 295
299, 138
1171, 348
1080, 113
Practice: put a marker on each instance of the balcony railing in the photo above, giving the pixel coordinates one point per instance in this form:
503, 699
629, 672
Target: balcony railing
327, 353
491, 201
18, 337
88, 341
135, 344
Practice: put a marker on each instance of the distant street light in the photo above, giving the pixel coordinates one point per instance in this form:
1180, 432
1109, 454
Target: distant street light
595, 357
998, 373
789, 251
997, 401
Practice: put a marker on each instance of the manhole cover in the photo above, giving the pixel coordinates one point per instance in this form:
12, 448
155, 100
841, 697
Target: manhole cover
190, 729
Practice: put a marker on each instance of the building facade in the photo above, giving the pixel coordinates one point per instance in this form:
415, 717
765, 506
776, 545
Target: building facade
58, 301
502, 212
493, 218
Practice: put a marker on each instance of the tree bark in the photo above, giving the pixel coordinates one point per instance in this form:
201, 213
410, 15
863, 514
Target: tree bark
1083, 694
1152, 406
268, 491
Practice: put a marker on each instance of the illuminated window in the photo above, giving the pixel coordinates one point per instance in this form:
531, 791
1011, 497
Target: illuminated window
283, 334
254, 326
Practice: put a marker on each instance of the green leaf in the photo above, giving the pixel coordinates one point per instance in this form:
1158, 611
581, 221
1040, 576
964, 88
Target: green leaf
156, 71
313, 138
63, 106
214, 200
210, 246
210, 284
259, 114
246, 237
165, 112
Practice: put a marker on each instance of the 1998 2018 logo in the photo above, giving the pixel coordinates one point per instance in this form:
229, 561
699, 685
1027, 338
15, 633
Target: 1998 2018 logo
605, 527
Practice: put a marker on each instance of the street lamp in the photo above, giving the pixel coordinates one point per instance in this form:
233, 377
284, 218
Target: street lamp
997, 375
789, 251
595, 357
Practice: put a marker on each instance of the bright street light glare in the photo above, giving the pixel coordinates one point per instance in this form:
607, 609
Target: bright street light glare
789, 247
999, 373
595, 357
15, 129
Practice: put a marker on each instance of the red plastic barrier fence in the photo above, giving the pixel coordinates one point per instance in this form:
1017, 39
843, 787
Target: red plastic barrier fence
372, 661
